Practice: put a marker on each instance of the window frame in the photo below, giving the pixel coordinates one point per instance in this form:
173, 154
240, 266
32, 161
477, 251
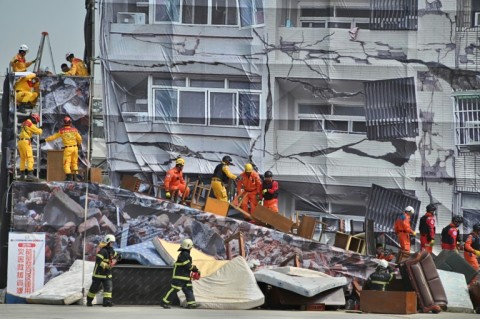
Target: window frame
327, 19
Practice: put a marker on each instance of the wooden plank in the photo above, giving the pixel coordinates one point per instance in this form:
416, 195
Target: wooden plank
55, 166
95, 175
244, 213
216, 207
273, 219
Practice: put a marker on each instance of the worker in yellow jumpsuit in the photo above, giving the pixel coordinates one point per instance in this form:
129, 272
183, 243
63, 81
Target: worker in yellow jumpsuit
77, 68
19, 63
72, 143
27, 130
26, 90
221, 175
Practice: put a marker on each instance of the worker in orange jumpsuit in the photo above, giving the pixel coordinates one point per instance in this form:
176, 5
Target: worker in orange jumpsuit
77, 67
450, 234
221, 175
249, 188
382, 253
27, 89
472, 247
174, 181
19, 63
427, 229
27, 130
270, 192
403, 229
72, 143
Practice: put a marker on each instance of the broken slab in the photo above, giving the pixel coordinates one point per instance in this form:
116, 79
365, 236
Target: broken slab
61, 209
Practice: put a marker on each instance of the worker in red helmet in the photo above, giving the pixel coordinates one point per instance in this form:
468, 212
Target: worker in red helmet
19, 62
27, 130
174, 181
221, 175
403, 229
472, 247
77, 67
72, 143
249, 188
270, 192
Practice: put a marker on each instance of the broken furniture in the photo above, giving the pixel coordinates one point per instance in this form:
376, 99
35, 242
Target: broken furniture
306, 227
200, 195
130, 183
293, 257
241, 245
426, 282
389, 302
402, 256
216, 206
451, 261
273, 219
349, 242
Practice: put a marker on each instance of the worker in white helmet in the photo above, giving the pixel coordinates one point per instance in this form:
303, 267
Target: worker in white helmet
19, 62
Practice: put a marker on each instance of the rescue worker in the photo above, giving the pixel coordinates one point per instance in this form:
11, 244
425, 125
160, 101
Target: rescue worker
427, 228
64, 68
270, 192
174, 181
77, 67
102, 272
27, 91
403, 229
19, 63
382, 253
181, 278
380, 278
221, 175
249, 188
472, 247
27, 130
450, 234
72, 144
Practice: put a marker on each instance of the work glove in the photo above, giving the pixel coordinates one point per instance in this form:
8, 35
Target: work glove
414, 234
432, 242
477, 253
264, 191
167, 195
42, 140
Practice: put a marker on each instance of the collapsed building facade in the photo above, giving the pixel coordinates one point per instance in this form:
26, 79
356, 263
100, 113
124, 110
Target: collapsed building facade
338, 99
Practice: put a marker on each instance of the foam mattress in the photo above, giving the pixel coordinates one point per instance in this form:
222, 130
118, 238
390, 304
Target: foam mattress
304, 282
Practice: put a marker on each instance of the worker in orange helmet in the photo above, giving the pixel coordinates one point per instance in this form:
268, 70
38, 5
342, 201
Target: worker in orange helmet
472, 247
77, 67
19, 63
27, 90
221, 175
403, 229
249, 188
174, 181
27, 130
270, 192
72, 143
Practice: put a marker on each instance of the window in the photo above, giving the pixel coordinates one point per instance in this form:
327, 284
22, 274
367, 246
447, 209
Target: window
207, 102
394, 15
195, 12
332, 118
467, 119
391, 107
224, 12
334, 17
251, 13
167, 11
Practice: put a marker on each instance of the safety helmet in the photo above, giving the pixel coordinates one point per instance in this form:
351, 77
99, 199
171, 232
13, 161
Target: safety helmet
383, 263
457, 220
476, 227
248, 168
67, 120
268, 174
187, 243
431, 208
68, 55
23, 47
409, 209
109, 239
180, 162
35, 117
227, 160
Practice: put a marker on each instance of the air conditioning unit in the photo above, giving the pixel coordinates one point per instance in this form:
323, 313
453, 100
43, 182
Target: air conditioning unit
131, 17
477, 19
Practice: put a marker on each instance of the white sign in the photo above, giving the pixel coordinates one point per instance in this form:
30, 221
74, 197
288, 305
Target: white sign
26, 263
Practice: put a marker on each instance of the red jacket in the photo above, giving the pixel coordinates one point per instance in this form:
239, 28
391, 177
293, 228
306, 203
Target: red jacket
430, 222
449, 237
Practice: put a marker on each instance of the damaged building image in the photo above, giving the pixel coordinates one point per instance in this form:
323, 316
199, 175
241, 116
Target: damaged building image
360, 109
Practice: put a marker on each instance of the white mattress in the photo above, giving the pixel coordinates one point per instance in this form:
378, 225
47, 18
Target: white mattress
66, 288
304, 282
232, 287
456, 290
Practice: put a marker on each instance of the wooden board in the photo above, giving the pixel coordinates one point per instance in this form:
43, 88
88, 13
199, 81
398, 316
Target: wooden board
55, 166
216, 207
95, 175
391, 302
273, 219
306, 229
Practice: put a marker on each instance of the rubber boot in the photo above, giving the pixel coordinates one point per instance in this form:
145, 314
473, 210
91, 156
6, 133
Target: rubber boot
107, 302
68, 177
30, 176
22, 176
89, 302
165, 305
193, 306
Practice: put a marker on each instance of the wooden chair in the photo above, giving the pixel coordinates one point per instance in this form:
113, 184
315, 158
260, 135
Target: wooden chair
199, 195
241, 245
306, 227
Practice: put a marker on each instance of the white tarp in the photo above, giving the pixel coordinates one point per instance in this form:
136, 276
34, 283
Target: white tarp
231, 287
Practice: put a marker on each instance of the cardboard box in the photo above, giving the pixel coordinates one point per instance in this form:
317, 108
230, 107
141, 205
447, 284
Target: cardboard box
390, 302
